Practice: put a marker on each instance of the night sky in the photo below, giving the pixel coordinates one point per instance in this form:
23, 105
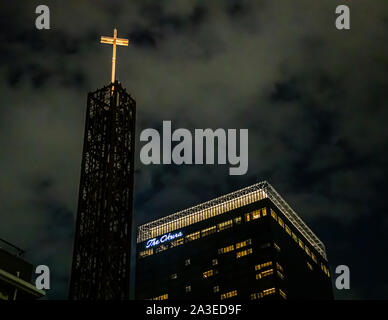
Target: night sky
313, 98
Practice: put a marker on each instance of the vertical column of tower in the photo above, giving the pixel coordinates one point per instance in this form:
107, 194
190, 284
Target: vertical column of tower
101, 257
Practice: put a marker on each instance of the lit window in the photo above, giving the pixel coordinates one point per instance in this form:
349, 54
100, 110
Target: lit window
309, 266
243, 253
214, 262
301, 244
216, 289
264, 212
225, 225
279, 267
273, 214
280, 221
187, 262
263, 265
188, 289
268, 291
162, 297
276, 247
146, 253
281, 276
325, 269
295, 237
288, 230
241, 244
264, 274
314, 257
193, 236
207, 274
282, 294
247, 217
261, 294
237, 220
267, 273
226, 249
256, 214
173, 276
229, 294
307, 250
208, 231
177, 242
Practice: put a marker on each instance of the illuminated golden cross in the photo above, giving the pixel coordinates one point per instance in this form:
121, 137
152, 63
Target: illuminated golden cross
115, 41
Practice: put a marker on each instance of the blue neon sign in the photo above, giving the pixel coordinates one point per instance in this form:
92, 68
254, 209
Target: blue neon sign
167, 237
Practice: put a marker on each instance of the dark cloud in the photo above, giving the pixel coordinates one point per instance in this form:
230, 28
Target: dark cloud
313, 99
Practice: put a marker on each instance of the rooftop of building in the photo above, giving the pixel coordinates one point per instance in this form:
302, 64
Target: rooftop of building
226, 203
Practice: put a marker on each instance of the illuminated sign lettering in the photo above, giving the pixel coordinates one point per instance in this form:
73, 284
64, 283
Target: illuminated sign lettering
167, 237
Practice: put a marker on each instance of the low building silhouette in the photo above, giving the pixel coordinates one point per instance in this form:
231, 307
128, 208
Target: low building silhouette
15, 275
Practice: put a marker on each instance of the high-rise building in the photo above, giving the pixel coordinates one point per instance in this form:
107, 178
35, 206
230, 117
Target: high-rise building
249, 244
101, 257
15, 275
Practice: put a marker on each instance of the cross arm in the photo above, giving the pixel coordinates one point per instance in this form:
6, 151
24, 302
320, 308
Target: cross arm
119, 41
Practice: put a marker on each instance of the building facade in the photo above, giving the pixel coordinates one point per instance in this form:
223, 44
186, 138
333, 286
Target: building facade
15, 275
246, 245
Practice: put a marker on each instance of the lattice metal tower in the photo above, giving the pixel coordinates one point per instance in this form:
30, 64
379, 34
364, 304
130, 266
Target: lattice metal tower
101, 257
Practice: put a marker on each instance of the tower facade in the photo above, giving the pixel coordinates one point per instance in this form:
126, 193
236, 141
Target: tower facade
101, 257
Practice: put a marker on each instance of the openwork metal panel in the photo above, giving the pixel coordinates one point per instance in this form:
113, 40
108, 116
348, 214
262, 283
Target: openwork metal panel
101, 258
225, 204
